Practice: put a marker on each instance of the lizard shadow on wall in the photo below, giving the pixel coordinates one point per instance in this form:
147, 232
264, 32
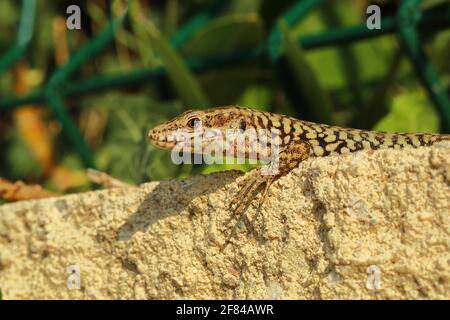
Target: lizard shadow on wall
170, 198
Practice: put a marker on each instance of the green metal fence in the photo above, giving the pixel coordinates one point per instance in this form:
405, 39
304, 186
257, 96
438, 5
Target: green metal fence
408, 24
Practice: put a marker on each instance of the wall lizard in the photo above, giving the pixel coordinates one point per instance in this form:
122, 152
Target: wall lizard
298, 140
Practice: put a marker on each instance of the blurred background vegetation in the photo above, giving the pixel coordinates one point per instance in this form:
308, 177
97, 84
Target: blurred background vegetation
194, 54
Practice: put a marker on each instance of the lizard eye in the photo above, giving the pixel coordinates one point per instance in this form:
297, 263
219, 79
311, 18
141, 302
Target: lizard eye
193, 122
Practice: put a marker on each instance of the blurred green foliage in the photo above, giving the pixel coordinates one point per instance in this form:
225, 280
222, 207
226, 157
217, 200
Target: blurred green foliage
410, 112
367, 84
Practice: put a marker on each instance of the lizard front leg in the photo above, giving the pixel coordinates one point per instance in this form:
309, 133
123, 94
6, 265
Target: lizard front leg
289, 157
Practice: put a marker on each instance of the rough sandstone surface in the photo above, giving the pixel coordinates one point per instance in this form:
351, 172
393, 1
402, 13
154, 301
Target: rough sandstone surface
316, 236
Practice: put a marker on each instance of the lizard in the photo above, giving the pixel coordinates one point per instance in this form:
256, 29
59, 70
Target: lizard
297, 141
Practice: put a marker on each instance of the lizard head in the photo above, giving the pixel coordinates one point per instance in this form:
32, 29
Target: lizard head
206, 125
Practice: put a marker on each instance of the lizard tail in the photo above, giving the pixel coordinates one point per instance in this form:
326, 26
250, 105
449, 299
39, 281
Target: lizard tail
439, 137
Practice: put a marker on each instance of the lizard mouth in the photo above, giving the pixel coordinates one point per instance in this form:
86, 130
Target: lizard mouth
168, 140
163, 141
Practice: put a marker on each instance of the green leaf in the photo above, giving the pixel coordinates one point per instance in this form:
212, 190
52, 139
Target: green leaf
184, 82
227, 85
146, 53
440, 53
181, 77
306, 81
240, 31
245, 6
256, 96
322, 60
226, 167
410, 112
21, 160
171, 16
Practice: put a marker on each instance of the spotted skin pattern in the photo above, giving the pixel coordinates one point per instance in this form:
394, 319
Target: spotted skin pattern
298, 141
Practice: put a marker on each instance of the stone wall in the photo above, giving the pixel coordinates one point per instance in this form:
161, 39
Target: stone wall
372, 225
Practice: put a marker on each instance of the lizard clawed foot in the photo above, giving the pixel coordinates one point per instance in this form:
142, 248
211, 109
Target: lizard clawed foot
245, 196
247, 193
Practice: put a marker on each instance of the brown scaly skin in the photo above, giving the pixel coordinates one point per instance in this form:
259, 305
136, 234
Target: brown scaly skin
299, 140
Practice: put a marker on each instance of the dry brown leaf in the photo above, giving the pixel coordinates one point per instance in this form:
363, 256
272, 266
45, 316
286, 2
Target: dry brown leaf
64, 178
15, 191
